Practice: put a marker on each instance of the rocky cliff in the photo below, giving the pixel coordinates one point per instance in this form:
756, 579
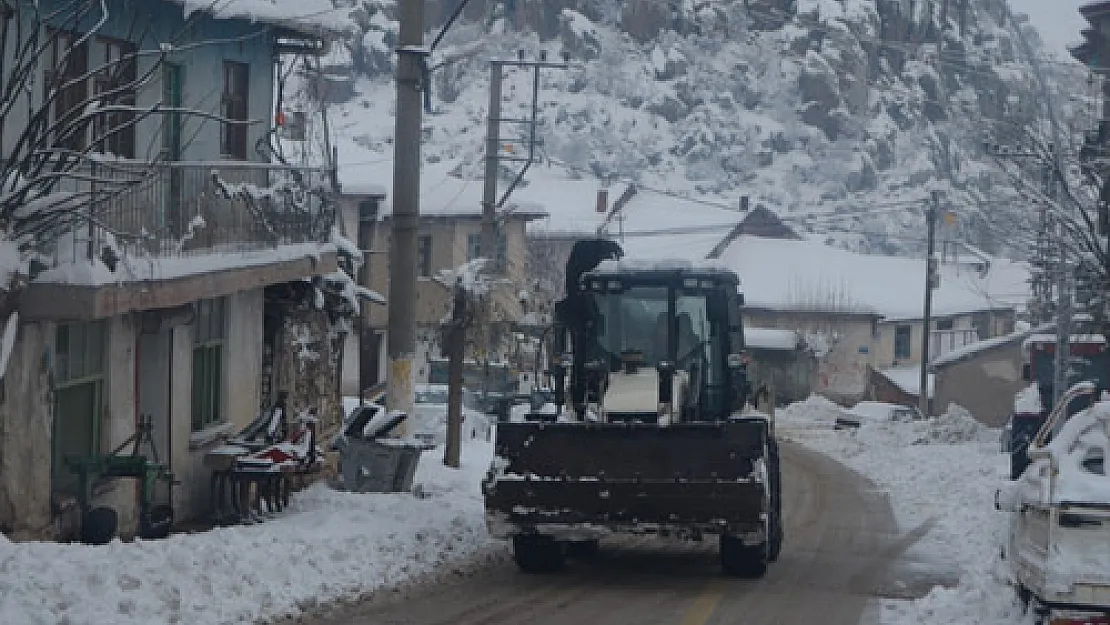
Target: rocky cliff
840, 115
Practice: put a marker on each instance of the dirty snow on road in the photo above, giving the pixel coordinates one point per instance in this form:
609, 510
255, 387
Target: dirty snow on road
941, 472
329, 545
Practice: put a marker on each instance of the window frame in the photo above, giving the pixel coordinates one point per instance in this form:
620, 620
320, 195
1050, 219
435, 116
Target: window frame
424, 256
209, 359
76, 371
901, 330
114, 132
71, 81
235, 108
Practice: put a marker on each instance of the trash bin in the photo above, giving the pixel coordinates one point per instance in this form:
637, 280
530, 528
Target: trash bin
379, 466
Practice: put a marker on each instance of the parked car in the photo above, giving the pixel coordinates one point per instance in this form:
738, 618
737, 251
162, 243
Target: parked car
874, 412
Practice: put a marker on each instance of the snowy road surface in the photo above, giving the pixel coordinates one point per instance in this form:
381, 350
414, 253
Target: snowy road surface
841, 538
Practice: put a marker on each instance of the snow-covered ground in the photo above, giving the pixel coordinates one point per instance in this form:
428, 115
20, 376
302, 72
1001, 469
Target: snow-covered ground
943, 471
333, 545
329, 545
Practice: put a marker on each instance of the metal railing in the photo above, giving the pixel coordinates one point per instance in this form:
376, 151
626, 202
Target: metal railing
172, 209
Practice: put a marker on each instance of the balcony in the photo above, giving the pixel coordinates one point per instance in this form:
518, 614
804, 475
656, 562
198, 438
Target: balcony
236, 224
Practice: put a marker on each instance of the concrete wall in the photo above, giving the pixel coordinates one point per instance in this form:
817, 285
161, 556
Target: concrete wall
26, 423
242, 388
984, 383
842, 371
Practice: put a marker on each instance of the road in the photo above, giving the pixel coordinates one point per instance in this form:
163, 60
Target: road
840, 544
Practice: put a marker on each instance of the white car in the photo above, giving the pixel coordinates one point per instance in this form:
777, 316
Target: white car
875, 412
429, 425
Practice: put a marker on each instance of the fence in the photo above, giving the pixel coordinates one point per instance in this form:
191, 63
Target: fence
192, 208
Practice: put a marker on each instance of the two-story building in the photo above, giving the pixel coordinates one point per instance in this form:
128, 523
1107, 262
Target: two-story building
179, 295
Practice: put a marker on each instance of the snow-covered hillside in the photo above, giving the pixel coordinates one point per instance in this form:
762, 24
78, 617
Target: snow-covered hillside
841, 115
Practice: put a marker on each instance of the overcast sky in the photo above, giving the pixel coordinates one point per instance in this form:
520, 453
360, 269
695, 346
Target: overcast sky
1058, 21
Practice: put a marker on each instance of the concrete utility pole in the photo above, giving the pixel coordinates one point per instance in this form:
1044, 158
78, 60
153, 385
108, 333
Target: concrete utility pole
456, 344
490, 202
930, 284
406, 208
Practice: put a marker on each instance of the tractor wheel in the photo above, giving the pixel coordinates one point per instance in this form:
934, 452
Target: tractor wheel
740, 560
583, 549
537, 554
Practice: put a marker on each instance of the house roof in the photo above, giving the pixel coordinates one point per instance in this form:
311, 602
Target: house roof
313, 17
809, 276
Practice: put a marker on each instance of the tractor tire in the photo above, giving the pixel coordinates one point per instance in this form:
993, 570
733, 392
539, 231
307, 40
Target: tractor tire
740, 560
98, 525
583, 549
537, 554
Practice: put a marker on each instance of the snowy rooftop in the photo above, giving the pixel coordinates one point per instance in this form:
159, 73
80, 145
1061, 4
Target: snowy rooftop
314, 15
908, 380
977, 347
807, 275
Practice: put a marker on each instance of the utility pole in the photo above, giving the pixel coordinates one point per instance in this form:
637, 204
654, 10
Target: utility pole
930, 284
411, 57
456, 344
493, 160
490, 202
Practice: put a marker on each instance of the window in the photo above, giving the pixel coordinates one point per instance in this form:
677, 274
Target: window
902, 337
64, 82
474, 249
473, 246
233, 142
79, 350
424, 255
208, 361
114, 86
945, 324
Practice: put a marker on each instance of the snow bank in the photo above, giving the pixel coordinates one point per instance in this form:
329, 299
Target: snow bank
329, 545
950, 481
954, 426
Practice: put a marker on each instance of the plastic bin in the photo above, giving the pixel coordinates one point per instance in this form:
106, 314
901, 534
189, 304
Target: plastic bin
379, 466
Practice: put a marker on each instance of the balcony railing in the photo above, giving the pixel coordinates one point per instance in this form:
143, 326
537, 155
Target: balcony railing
193, 208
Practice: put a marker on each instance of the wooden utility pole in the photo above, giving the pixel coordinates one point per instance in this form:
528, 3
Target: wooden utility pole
406, 208
456, 346
931, 276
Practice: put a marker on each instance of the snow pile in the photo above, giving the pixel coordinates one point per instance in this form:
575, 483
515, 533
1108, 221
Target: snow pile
1079, 449
949, 484
812, 411
1028, 400
328, 545
956, 425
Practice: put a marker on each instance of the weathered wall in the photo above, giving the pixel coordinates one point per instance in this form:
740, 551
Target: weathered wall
845, 348
308, 366
26, 423
984, 383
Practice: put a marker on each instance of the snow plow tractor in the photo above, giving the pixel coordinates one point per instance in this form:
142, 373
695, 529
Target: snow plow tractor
649, 433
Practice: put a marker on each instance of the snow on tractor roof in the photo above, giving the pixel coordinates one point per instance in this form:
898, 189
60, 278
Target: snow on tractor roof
643, 265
